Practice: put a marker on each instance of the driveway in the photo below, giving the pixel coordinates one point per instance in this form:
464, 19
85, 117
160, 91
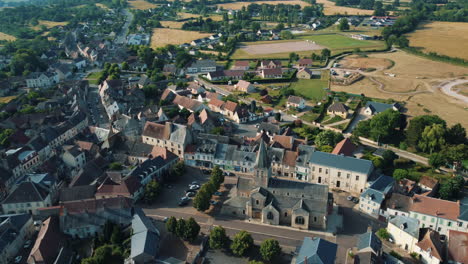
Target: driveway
120, 39
447, 89
360, 117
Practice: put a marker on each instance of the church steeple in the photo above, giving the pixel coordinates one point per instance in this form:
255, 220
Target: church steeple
262, 169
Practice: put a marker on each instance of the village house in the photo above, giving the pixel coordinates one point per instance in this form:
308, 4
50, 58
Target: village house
338, 109
429, 247
304, 73
186, 103
457, 248
369, 248
371, 200
244, 86
404, 232
145, 239
316, 250
429, 185
270, 64
225, 74
304, 63
27, 197
271, 73
296, 102
372, 108
16, 230
201, 66
174, 137
73, 157
397, 204
345, 147
241, 65
48, 243
41, 79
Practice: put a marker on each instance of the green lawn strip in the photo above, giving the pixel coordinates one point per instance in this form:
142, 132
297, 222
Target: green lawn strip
332, 120
336, 41
309, 117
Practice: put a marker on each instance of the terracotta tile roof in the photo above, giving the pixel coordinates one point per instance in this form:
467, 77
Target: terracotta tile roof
304, 61
204, 116
48, 242
211, 96
428, 181
407, 185
84, 145
458, 246
274, 71
162, 152
431, 241
113, 189
167, 95
285, 142
230, 106
216, 102
186, 102
345, 147
155, 130
94, 205
289, 158
190, 149
241, 63
435, 207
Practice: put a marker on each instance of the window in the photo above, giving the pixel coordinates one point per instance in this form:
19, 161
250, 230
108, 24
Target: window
339, 173
432, 219
326, 171
299, 220
449, 223
357, 178
313, 168
270, 216
348, 175
441, 222
257, 202
315, 219
285, 214
424, 218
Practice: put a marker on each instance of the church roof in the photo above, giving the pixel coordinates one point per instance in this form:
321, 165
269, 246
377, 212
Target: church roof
262, 157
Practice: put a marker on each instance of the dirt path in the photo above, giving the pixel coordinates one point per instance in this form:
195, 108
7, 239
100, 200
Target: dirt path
447, 89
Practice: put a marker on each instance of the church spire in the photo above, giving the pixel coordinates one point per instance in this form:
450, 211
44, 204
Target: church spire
262, 157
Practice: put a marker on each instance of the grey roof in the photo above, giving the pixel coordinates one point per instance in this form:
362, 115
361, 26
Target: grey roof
407, 224
369, 240
317, 251
203, 63
378, 107
399, 202
10, 226
77, 193
463, 212
276, 154
262, 157
342, 162
296, 188
383, 184
27, 192
269, 127
373, 195
304, 155
145, 238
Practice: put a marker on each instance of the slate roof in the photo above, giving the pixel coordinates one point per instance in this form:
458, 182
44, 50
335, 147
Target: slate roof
378, 107
145, 238
317, 251
10, 225
274, 71
369, 240
408, 224
383, 184
338, 107
261, 161
203, 63
295, 99
373, 195
269, 127
27, 192
77, 193
341, 162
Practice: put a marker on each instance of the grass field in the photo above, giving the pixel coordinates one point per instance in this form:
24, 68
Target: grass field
331, 9
163, 36
415, 74
445, 38
335, 42
102, 6
48, 24
313, 89
6, 99
4, 36
239, 5
183, 15
141, 5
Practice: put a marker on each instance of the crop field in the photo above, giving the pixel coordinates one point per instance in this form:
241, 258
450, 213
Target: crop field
416, 83
164, 36
445, 38
281, 48
183, 15
141, 5
355, 62
4, 36
239, 5
330, 9
172, 24
6, 99
48, 24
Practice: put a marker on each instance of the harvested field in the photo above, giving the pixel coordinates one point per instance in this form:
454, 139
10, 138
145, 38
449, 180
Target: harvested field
172, 24
141, 4
163, 36
446, 38
182, 15
331, 9
101, 6
4, 36
416, 83
355, 62
6, 99
239, 5
281, 47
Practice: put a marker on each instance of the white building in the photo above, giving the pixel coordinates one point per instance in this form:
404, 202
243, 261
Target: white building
404, 232
27, 197
41, 79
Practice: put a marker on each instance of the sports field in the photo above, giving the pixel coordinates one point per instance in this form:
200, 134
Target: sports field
338, 41
446, 38
163, 36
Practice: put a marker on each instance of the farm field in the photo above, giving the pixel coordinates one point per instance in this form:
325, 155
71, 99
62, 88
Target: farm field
163, 36
183, 15
313, 89
6, 99
141, 5
239, 5
48, 24
445, 38
416, 83
329, 8
281, 48
355, 62
4, 36
172, 24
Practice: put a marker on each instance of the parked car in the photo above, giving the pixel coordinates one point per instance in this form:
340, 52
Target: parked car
165, 219
27, 244
355, 200
18, 259
183, 202
218, 193
185, 198
194, 187
195, 183
349, 198
213, 202
190, 194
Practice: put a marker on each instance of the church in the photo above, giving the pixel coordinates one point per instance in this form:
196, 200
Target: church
276, 201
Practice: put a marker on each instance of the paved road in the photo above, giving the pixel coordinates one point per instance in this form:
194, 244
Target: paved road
120, 39
447, 89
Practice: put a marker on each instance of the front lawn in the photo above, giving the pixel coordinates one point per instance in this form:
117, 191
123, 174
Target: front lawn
332, 120
313, 89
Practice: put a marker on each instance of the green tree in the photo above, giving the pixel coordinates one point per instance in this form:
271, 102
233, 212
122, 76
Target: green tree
270, 249
171, 225
455, 153
436, 160
402, 42
286, 34
416, 127
432, 138
450, 189
177, 171
456, 135
383, 234
388, 158
192, 229
343, 25
328, 137
201, 202
217, 130
278, 117
125, 66
116, 166
326, 148
325, 53
218, 237
241, 243
293, 57
255, 26
396, 3
383, 125
362, 129
181, 228
378, 9
152, 190
400, 174
116, 237
105, 254
217, 177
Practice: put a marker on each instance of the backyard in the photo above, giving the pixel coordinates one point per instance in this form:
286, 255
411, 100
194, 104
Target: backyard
313, 89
